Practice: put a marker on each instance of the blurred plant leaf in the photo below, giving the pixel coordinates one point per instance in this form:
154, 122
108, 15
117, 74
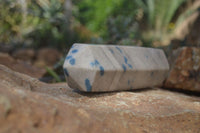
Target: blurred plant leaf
190, 10
53, 74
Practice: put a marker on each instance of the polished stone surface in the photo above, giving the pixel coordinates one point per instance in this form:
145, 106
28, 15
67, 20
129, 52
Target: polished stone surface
99, 68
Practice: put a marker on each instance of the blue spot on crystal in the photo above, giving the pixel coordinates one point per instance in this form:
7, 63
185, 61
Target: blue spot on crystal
88, 85
101, 70
119, 49
68, 57
72, 61
111, 51
130, 66
74, 51
96, 62
66, 72
125, 60
124, 67
92, 64
147, 56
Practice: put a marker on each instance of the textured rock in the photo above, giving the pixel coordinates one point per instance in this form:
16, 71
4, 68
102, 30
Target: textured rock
29, 106
24, 54
47, 57
100, 68
185, 69
21, 66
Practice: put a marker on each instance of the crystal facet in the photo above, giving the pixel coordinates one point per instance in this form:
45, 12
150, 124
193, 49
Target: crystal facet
101, 68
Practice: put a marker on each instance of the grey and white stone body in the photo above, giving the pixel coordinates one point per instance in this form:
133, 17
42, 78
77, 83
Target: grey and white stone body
101, 68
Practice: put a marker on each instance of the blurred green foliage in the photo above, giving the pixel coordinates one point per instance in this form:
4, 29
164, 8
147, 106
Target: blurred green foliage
125, 21
35, 23
40, 23
95, 14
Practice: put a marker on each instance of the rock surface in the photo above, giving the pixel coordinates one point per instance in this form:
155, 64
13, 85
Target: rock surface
24, 54
101, 68
27, 105
47, 57
21, 66
185, 69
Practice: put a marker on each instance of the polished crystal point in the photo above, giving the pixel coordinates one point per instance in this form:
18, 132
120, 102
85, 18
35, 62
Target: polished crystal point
101, 68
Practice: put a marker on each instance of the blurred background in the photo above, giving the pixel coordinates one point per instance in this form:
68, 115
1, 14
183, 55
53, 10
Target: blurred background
35, 35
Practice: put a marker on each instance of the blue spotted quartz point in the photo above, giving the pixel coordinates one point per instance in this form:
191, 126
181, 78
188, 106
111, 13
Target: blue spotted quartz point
101, 68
